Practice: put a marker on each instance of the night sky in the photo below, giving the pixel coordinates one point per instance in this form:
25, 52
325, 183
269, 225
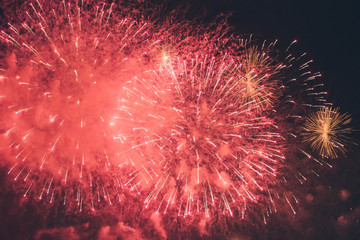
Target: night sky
329, 31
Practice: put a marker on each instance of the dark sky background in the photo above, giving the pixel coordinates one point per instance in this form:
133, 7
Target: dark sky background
329, 31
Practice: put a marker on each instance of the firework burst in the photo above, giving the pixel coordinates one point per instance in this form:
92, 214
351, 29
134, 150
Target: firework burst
215, 151
56, 123
257, 82
327, 130
99, 104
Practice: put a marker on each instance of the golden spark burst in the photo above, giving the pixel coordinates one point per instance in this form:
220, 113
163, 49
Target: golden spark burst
327, 130
257, 78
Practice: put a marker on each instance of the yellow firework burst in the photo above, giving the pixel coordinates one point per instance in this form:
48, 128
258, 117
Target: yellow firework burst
327, 130
257, 81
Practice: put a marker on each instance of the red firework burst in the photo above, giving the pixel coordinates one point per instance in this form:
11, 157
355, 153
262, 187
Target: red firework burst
95, 100
58, 124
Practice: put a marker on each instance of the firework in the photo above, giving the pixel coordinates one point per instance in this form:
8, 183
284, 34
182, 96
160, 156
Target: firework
214, 152
326, 130
99, 104
57, 125
257, 82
